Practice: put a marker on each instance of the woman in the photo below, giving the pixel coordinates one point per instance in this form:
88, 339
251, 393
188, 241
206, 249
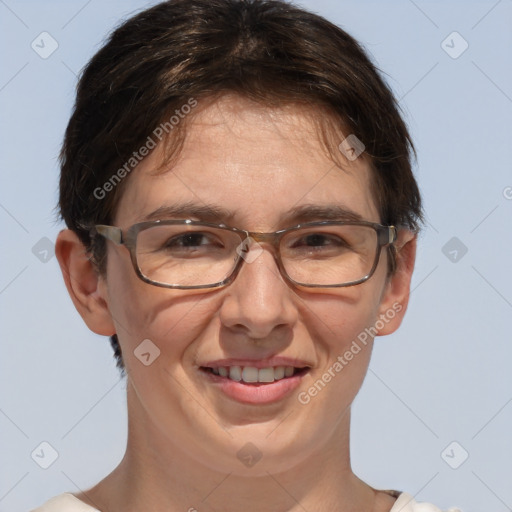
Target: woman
242, 222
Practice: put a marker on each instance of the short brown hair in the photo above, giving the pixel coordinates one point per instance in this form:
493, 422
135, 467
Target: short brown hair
266, 50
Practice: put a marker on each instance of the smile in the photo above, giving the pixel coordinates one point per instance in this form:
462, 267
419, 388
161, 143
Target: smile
251, 374
268, 382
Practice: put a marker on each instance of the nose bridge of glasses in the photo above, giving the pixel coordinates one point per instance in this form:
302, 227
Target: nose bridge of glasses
263, 240
254, 244
258, 241
268, 238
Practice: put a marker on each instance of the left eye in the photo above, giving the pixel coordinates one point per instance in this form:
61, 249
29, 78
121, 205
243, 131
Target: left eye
187, 240
319, 240
315, 240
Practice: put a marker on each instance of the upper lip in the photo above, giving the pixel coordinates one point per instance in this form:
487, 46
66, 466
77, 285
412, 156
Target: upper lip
257, 363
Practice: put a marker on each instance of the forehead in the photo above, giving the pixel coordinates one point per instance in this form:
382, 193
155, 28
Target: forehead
254, 165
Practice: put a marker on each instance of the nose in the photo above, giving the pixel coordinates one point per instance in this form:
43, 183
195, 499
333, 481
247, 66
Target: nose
259, 302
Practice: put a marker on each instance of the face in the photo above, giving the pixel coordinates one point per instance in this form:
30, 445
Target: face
257, 164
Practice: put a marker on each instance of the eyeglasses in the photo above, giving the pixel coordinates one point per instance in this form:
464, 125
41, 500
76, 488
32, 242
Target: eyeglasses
187, 254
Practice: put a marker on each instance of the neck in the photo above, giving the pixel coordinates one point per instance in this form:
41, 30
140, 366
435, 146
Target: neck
157, 475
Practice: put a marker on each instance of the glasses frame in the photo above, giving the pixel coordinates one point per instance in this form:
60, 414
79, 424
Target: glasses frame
386, 236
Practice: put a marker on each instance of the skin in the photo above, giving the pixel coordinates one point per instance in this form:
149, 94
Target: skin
184, 434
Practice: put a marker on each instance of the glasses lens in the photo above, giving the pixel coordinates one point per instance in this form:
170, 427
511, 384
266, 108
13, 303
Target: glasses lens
182, 255
193, 255
330, 254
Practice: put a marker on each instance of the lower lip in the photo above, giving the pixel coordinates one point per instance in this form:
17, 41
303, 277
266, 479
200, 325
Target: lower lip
257, 393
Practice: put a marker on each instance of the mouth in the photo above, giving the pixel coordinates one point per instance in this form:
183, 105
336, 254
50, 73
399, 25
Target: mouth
254, 383
253, 375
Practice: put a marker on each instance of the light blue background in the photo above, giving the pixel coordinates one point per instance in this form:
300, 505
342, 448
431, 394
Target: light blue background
445, 376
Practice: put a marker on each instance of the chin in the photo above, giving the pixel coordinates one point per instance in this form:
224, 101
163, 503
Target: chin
252, 452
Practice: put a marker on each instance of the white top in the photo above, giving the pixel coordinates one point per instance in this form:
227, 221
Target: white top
69, 503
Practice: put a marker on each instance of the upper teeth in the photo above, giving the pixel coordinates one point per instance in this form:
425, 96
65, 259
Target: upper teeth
252, 374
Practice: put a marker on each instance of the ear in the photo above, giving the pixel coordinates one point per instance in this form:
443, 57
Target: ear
86, 287
395, 297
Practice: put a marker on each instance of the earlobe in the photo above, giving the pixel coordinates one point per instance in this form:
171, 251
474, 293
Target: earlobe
86, 288
396, 292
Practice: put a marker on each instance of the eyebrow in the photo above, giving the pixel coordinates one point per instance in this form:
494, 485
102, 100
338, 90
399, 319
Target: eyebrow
314, 212
217, 214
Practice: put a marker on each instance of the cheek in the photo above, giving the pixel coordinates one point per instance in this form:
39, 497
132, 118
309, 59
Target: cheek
341, 315
170, 319
127, 297
342, 332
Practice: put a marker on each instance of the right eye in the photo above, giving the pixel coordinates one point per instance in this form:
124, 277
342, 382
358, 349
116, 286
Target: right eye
191, 242
186, 240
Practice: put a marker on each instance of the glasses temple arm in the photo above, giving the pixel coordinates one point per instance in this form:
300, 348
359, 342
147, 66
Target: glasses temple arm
388, 236
110, 232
